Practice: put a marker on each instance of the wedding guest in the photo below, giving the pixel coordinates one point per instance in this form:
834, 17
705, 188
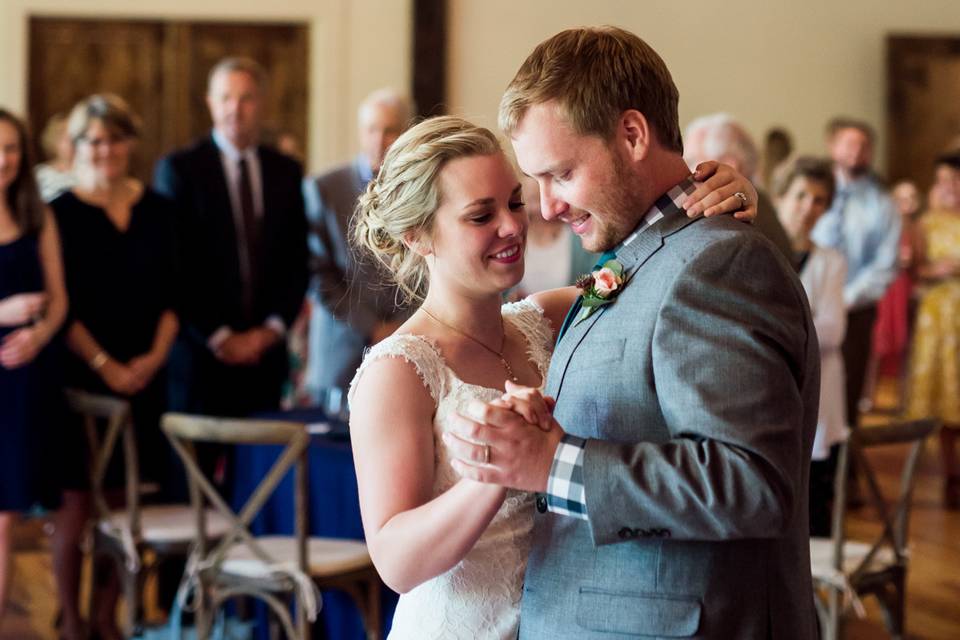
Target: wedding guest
802, 196
777, 147
933, 385
720, 137
33, 304
445, 217
119, 260
56, 174
863, 225
352, 304
242, 248
891, 331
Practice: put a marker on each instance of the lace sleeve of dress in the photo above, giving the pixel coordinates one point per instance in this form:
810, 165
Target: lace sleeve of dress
527, 316
416, 350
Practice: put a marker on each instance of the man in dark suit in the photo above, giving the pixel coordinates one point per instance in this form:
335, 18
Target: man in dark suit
242, 253
351, 306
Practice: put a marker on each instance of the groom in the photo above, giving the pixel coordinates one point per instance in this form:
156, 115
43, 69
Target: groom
673, 478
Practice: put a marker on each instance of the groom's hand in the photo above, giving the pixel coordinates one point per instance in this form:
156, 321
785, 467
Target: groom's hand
498, 446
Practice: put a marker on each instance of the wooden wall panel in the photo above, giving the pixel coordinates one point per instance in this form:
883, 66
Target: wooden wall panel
160, 68
923, 94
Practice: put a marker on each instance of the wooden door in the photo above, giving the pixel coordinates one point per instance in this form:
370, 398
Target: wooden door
160, 68
71, 59
280, 48
923, 118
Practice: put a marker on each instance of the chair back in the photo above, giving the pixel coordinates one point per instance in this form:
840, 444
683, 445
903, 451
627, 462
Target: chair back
185, 430
893, 513
113, 417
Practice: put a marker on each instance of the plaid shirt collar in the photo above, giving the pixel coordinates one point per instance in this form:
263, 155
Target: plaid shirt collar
666, 205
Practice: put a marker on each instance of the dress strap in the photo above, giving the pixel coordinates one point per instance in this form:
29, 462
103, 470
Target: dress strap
419, 351
527, 316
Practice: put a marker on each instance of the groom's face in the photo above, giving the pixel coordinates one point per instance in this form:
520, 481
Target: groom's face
583, 179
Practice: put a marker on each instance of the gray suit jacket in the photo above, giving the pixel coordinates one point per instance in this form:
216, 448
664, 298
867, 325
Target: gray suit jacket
697, 390
348, 293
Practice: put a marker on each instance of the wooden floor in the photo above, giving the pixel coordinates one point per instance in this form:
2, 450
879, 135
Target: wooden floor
934, 581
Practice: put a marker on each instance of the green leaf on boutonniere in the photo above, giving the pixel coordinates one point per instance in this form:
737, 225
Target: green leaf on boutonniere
614, 266
592, 302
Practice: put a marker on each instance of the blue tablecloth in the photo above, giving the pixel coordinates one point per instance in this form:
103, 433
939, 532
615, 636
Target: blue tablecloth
334, 513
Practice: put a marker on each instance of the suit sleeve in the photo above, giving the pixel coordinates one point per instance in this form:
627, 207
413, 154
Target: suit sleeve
348, 299
289, 296
194, 303
731, 356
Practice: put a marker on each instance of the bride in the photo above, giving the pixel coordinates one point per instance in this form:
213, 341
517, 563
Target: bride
446, 219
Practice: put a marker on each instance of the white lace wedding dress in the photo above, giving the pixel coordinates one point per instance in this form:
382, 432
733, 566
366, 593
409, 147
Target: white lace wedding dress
479, 598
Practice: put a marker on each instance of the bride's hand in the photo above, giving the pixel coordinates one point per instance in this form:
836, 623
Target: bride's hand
718, 192
528, 402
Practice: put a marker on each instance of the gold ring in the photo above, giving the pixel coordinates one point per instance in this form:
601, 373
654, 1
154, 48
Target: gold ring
743, 198
486, 454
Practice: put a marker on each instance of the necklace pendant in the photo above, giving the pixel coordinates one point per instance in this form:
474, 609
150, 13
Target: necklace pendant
509, 370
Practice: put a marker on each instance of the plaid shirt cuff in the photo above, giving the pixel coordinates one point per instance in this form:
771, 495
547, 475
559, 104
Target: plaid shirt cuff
565, 493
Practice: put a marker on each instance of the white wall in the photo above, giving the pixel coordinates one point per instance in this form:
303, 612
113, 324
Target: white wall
767, 62
355, 46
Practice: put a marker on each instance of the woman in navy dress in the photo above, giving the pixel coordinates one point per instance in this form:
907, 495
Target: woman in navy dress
33, 304
118, 255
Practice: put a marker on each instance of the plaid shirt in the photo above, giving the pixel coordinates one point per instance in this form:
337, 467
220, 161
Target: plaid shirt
565, 491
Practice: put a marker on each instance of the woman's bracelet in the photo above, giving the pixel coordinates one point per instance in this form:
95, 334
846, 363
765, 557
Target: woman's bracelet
97, 361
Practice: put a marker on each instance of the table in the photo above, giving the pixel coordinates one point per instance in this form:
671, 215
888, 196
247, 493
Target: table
334, 512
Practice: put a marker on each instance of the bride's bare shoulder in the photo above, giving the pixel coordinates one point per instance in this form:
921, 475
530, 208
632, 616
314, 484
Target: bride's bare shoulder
555, 303
401, 366
393, 387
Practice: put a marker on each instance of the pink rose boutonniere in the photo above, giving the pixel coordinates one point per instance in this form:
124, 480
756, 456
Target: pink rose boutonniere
599, 288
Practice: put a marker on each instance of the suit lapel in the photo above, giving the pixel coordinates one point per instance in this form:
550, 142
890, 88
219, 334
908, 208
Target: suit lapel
632, 257
214, 169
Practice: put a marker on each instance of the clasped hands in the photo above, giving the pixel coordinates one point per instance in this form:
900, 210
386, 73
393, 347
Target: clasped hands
246, 347
510, 441
133, 376
20, 347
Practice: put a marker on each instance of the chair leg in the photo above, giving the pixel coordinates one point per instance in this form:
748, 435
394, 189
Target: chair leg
373, 621
834, 605
131, 596
892, 604
203, 616
365, 593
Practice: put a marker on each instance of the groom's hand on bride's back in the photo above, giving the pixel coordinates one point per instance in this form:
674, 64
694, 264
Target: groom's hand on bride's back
497, 445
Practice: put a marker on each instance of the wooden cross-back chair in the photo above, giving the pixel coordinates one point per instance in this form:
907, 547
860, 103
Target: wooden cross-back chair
267, 567
137, 537
845, 568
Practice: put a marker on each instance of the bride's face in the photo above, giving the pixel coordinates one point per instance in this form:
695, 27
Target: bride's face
480, 229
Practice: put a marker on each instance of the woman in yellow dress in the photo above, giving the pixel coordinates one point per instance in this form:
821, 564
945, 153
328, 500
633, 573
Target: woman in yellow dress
934, 384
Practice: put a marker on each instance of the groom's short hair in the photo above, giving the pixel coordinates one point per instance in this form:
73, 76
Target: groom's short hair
596, 74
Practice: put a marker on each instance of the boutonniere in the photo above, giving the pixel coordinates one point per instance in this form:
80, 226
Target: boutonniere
599, 288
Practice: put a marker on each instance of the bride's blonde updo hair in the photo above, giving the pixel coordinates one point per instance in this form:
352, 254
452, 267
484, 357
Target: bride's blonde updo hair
400, 202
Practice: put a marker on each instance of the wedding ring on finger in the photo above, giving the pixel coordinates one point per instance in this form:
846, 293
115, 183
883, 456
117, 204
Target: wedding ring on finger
743, 198
486, 454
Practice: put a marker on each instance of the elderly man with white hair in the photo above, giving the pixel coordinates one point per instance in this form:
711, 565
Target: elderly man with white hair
351, 308
720, 137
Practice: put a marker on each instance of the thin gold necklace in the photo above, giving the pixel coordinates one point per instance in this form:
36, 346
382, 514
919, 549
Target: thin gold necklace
499, 354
